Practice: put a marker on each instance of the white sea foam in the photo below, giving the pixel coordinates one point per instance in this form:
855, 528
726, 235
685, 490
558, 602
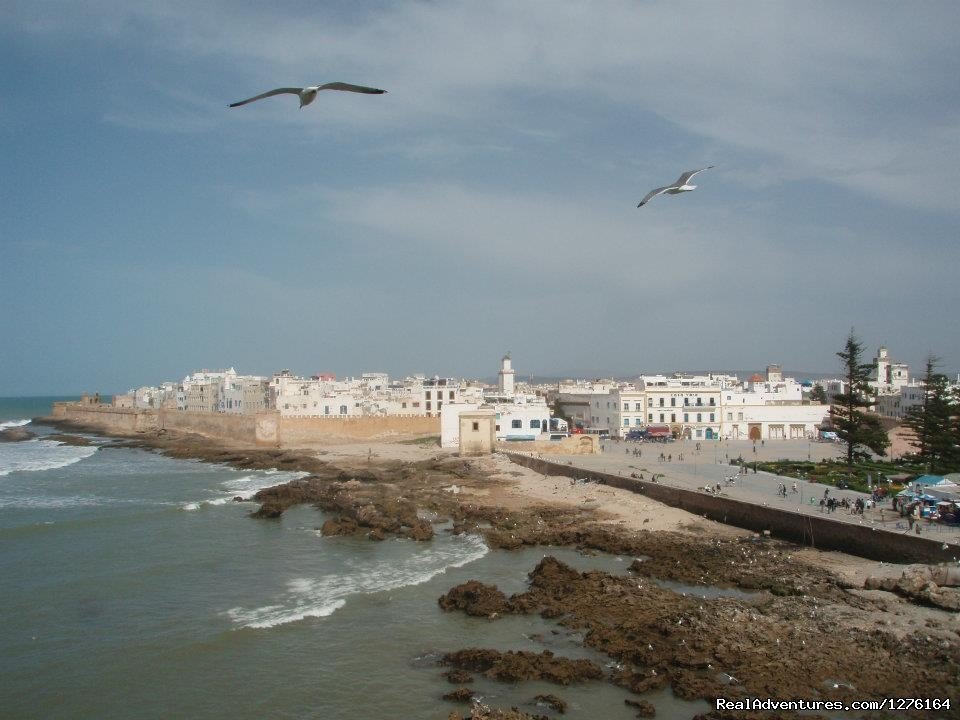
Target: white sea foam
191, 506
319, 597
13, 423
248, 485
35, 455
44, 502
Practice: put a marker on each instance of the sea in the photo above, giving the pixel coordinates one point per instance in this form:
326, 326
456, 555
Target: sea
133, 585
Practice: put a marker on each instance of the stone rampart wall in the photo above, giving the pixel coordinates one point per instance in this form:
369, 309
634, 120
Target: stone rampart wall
310, 431
818, 532
263, 428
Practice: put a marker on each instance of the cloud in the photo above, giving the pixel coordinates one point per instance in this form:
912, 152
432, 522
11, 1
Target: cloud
821, 92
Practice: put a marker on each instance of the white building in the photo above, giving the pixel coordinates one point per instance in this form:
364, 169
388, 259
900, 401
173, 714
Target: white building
242, 394
689, 404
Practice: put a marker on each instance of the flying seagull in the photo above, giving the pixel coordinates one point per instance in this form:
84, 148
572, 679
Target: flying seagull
308, 94
676, 188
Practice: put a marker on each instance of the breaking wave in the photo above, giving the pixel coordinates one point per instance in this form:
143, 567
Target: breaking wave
320, 597
35, 455
13, 423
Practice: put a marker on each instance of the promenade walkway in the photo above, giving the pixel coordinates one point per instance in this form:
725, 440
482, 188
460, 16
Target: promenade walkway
710, 466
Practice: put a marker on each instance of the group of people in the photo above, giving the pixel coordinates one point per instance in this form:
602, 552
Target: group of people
782, 489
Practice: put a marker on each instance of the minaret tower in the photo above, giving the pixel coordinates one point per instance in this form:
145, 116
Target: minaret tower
506, 376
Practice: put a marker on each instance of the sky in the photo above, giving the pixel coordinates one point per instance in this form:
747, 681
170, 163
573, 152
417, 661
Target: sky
487, 202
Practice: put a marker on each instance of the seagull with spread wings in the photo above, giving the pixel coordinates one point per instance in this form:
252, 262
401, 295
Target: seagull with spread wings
308, 94
676, 188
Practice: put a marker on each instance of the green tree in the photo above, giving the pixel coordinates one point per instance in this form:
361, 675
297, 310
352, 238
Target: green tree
855, 425
935, 422
818, 394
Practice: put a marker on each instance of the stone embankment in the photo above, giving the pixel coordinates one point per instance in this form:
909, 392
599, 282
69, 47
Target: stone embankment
819, 532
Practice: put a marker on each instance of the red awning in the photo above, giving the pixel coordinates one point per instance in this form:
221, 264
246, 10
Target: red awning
658, 431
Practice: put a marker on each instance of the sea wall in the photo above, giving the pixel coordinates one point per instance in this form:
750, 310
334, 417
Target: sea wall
267, 428
819, 532
300, 431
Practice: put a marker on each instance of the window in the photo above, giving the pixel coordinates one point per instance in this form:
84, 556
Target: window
699, 417
428, 405
638, 422
661, 402
516, 423
637, 407
417, 404
739, 416
729, 417
712, 401
626, 422
476, 427
686, 417
699, 401
534, 424
661, 417
686, 401
326, 409
496, 428
626, 406
451, 395
343, 409
403, 405
711, 417
673, 417
673, 402
428, 394
650, 417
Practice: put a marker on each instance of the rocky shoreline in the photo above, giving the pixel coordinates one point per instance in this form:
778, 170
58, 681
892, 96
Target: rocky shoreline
757, 617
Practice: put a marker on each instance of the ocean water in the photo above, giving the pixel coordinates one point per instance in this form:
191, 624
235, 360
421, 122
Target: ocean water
135, 587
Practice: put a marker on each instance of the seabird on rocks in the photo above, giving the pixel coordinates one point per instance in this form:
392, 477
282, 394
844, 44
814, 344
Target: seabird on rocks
676, 188
308, 94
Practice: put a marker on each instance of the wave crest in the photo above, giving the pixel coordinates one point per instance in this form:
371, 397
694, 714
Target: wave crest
319, 597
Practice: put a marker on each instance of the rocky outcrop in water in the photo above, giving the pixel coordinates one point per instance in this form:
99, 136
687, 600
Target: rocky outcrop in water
774, 645
514, 666
459, 695
66, 439
552, 701
475, 598
16, 434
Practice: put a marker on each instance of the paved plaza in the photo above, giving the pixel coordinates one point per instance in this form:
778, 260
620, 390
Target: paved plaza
709, 466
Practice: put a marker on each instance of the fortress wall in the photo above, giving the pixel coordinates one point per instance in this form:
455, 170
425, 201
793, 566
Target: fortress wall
292, 432
267, 428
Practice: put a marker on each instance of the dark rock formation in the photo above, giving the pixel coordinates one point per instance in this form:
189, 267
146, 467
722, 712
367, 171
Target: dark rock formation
458, 677
459, 695
514, 666
66, 439
16, 434
475, 598
644, 709
553, 701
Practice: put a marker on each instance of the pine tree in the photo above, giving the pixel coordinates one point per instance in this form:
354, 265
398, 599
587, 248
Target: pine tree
818, 394
858, 428
932, 421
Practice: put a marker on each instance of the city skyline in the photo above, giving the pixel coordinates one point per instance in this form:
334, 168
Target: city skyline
488, 200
